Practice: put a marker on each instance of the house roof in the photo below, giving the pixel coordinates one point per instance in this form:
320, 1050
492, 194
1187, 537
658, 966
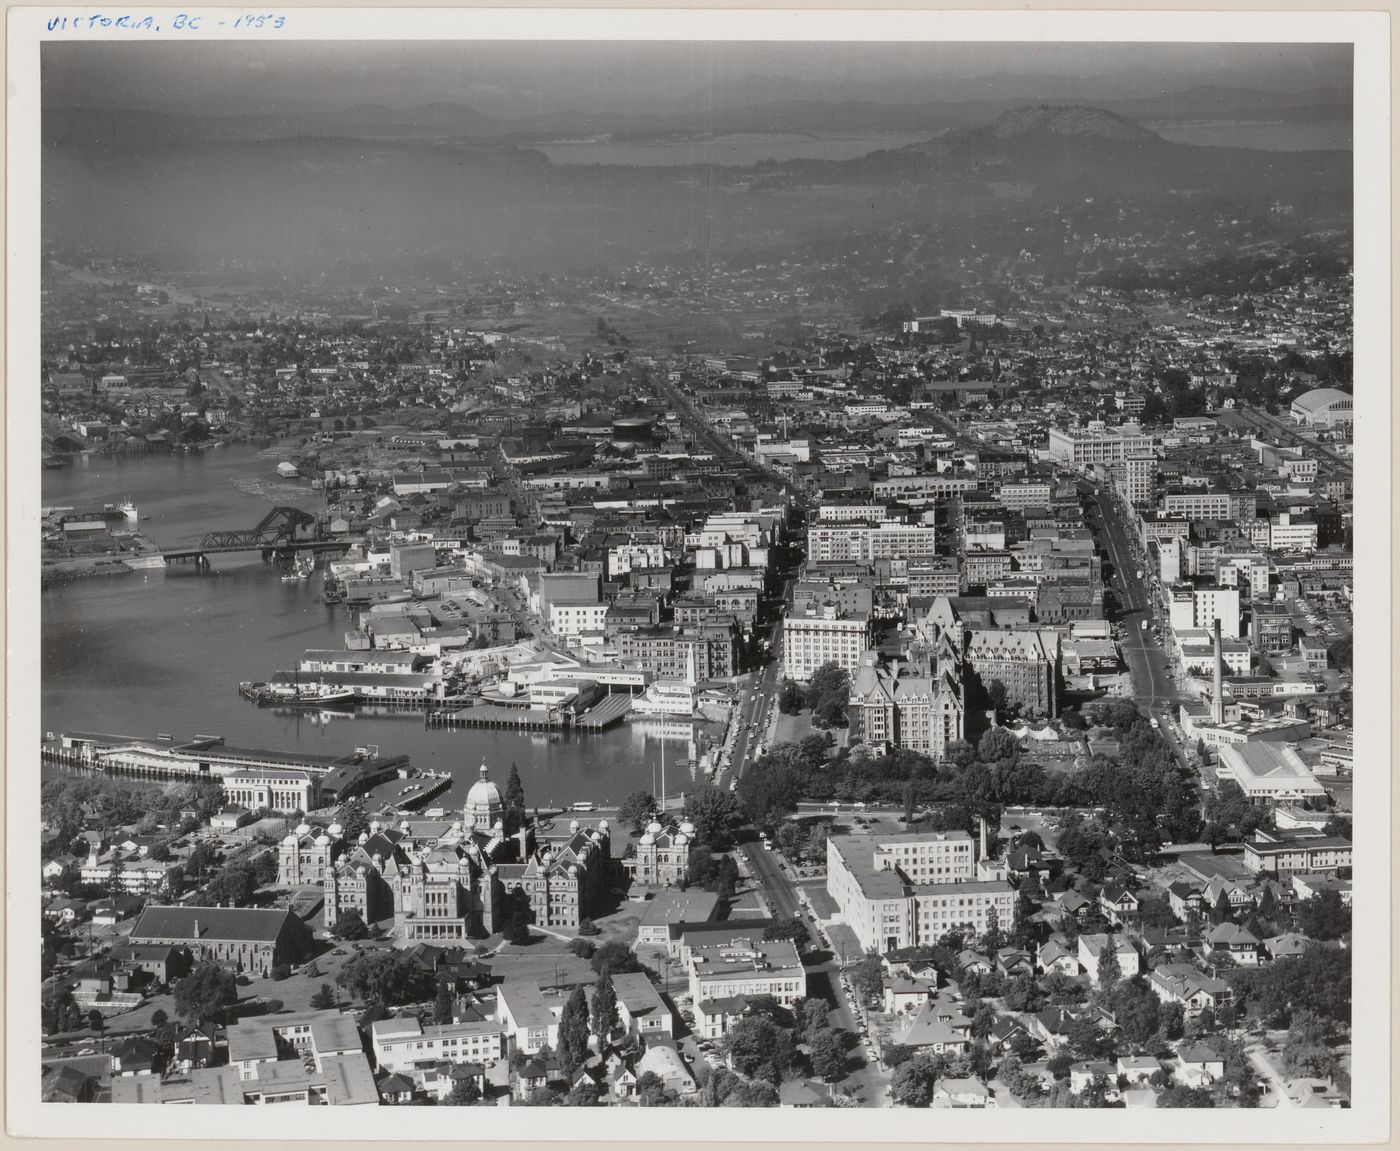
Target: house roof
244, 924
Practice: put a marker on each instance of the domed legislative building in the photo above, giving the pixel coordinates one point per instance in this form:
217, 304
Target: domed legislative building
447, 883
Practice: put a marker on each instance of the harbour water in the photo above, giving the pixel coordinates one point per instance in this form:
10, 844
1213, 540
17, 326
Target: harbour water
164, 651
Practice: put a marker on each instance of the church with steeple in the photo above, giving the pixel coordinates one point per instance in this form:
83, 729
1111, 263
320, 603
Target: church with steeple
450, 883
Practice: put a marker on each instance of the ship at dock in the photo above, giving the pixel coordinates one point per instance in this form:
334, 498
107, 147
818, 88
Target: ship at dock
282, 694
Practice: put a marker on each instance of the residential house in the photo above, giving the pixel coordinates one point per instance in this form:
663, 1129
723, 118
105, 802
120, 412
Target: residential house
395, 1090
1193, 989
1138, 1068
1185, 900
1092, 946
1198, 1065
1119, 905
961, 1093
938, 1027
1237, 942
1054, 958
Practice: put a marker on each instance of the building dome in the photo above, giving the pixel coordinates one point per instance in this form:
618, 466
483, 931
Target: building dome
653, 828
364, 837
374, 827
335, 831
290, 839
323, 840
403, 826
648, 839
681, 839
602, 825
484, 808
687, 828
303, 829
573, 825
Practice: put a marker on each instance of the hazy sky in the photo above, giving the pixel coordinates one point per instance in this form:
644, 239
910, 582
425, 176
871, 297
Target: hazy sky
526, 78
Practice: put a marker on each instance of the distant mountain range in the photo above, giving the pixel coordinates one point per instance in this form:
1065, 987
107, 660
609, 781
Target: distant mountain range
438, 183
451, 121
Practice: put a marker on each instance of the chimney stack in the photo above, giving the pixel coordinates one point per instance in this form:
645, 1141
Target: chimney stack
196, 928
982, 836
1217, 703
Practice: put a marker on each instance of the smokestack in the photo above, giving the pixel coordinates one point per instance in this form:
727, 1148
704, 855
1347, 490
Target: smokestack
982, 836
196, 928
1217, 703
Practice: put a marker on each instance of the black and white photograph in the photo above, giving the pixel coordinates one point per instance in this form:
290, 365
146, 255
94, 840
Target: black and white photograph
831, 569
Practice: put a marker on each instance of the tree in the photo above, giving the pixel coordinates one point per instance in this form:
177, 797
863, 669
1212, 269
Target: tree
615, 958
1324, 916
516, 928
513, 802
868, 978
573, 1031
911, 1085
812, 1015
1137, 1010
387, 978
829, 1048
324, 999
760, 1049
651, 1089
349, 926
793, 929
1108, 972
159, 1018
789, 698
769, 791
1179, 1096
638, 809
715, 813
996, 696
465, 1092
1318, 980
204, 994
586, 926
604, 1013
354, 820
442, 1002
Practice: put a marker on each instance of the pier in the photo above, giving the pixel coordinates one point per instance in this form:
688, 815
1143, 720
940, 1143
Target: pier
604, 715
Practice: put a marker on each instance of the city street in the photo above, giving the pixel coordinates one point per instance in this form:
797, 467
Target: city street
1147, 663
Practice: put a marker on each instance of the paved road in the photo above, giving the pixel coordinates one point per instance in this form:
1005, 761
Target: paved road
753, 710
778, 885
1259, 1059
1148, 664
867, 1082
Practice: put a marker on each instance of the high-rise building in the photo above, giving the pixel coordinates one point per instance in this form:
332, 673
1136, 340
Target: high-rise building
821, 637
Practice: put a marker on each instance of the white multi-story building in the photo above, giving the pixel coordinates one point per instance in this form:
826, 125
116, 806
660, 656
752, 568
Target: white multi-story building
405, 1045
824, 637
905, 890
852, 513
1198, 608
866, 543
1098, 445
572, 620
921, 489
1287, 534
1209, 505
743, 967
1023, 497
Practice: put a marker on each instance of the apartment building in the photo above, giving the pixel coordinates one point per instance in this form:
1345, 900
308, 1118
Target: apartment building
1098, 445
405, 1045
825, 636
911, 889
